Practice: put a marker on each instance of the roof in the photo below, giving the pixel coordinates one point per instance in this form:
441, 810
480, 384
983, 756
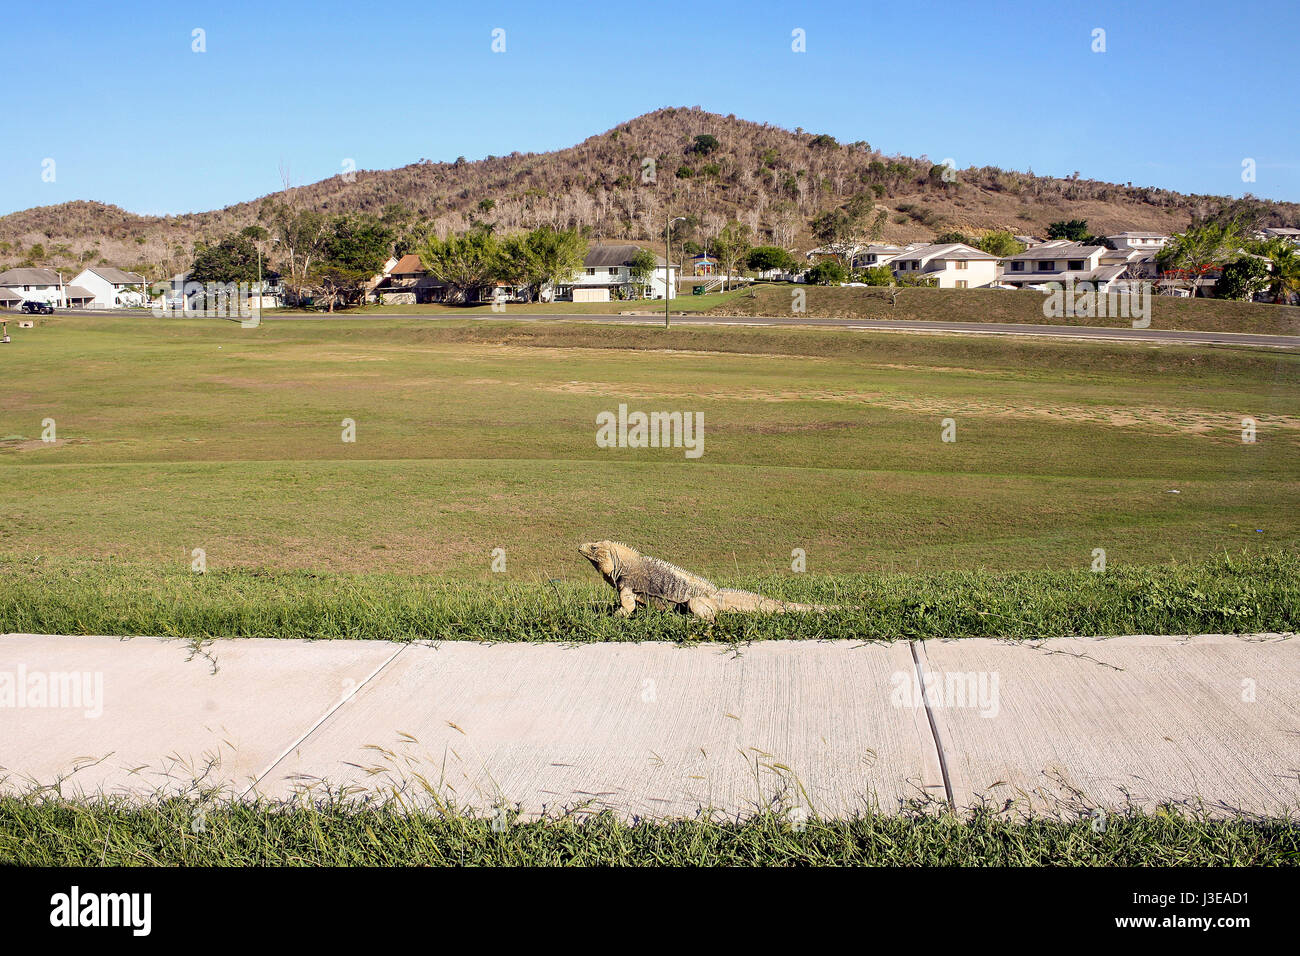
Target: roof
946, 250
117, 276
407, 265
77, 292
1138, 235
9, 295
1065, 250
614, 255
1282, 231
29, 277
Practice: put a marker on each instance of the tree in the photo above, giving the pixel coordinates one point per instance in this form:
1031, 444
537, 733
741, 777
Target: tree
465, 263
1076, 230
827, 272
543, 257
301, 236
1283, 268
705, 144
1191, 254
731, 246
1242, 278
878, 275
765, 258
642, 268
231, 259
948, 237
1000, 243
354, 250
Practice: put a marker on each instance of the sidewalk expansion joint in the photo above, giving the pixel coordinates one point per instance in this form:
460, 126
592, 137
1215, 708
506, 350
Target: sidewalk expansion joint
934, 727
324, 717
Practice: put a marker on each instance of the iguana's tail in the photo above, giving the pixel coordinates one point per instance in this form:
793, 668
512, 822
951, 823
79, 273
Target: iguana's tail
730, 599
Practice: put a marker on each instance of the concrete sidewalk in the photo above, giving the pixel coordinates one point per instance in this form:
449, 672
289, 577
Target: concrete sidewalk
831, 728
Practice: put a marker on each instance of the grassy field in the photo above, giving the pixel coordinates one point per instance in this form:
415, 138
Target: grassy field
36, 832
964, 305
1002, 305
175, 435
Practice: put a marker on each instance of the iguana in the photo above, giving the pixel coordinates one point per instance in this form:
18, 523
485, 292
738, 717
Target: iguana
641, 579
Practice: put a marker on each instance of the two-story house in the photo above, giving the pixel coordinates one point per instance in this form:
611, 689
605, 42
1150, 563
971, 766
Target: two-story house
1148, 242
112, 288
35, 285
1059, 260
952, 265
607, 270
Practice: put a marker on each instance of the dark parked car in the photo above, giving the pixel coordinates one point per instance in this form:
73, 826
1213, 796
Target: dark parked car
44, 308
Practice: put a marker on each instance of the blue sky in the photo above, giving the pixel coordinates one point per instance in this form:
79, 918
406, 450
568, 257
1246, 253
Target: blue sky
131, 115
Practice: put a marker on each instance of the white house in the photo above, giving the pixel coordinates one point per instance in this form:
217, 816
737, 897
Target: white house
1141, 241
953, 265
1057, 261
112, 288
1280, 232
607, 270
35, 285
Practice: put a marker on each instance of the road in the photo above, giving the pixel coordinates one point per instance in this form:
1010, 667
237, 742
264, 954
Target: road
1068, 726
1166, 336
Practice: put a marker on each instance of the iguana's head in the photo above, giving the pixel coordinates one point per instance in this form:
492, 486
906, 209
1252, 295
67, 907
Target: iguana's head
603, 555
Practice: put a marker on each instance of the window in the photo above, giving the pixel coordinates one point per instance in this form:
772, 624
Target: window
591, 272
1017, 267
613, 270
961, 283
1075, 264
1046, 265
959, 264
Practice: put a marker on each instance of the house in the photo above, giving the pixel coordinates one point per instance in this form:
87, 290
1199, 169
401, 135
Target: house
112, 288
1135, 262
407, 282
37, 285
1028, 241
856, 255
1280, 232
9, 299
953, 265
606, 275
1059, 260
1141, 241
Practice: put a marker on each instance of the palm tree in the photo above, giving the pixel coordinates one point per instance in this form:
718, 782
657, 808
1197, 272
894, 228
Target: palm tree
1284, 269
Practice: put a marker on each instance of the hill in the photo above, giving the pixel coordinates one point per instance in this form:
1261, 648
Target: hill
623, 183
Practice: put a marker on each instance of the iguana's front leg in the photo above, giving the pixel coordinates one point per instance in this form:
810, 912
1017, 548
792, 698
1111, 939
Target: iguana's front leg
626, 601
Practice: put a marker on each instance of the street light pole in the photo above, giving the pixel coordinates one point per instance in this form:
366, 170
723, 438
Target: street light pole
668, 266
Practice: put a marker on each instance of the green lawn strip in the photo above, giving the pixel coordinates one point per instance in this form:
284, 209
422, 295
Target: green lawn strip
1004, 306
1243, 593
50, 832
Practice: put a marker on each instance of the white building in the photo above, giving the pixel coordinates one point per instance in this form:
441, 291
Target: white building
112, 288
1280, 232
953, 265
1058, 260
607, 270
1141, 241
35, 285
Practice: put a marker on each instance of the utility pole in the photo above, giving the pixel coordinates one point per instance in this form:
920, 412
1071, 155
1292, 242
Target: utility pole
668, 267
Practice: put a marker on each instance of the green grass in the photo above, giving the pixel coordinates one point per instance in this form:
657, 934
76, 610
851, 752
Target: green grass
1003, 305
1246, 593
183, 434
46, 832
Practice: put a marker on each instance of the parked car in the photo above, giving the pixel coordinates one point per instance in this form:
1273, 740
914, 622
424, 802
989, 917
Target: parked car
32, 307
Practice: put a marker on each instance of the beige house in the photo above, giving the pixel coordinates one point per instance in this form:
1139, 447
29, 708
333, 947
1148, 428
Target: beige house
953, 265
1060, 260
